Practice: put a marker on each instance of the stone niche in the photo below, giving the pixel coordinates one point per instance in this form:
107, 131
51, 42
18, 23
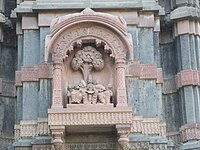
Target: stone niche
89, 51
89, 75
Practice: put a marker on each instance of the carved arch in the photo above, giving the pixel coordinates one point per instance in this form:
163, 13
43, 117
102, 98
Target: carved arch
70, 29
102, 29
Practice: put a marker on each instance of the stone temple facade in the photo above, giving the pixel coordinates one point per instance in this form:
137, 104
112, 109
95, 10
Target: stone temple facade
99, 75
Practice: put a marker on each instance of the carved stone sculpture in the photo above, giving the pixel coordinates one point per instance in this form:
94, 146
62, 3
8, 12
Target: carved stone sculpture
90, 93
86, 60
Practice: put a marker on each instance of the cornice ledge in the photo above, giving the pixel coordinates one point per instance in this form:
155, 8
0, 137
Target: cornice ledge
185, 12
24, 7
151, 5
68, 4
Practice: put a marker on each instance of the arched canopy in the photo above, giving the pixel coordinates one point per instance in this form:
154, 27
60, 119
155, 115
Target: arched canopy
103, 29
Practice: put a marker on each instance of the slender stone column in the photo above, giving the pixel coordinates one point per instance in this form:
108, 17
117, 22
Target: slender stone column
121, 87
187, 36
57, 86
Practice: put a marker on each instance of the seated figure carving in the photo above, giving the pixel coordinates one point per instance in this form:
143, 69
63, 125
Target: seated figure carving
90, 93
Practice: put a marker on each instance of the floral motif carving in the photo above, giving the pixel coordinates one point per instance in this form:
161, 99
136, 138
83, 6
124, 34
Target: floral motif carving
86, 60
97, 33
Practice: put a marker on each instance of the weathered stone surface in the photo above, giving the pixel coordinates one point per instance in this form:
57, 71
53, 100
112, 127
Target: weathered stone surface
31, 48
45, 96
7, 118
146, 46
145, 99
30, 101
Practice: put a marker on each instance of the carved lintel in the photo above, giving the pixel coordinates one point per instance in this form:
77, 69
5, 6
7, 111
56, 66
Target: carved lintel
123, 132
57, 134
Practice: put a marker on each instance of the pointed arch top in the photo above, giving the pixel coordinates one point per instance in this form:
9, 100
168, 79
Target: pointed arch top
88, 25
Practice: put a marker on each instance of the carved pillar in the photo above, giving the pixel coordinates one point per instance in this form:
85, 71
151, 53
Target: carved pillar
57, 134
121, 87
123, 133
57, 85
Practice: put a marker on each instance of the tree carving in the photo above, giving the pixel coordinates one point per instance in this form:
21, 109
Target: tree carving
87, 59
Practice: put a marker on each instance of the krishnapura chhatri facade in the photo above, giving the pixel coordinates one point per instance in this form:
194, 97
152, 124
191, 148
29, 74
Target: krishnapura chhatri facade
99, 75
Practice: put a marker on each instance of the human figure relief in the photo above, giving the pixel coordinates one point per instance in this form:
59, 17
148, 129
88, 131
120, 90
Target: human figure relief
77, 94
92, 92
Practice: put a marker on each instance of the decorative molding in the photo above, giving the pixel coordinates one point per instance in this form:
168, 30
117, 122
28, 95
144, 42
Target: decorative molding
174, 136
17, 132
92, 16
183, 78
95, 116
123, 129
28, 128
186, 27
148, 126
31, 128
23, 148
7, 88
45, 71
105, 28
42, 127
146, 145
145, 72
42, 147
33, 74
5, 141
79, 33
29, 23
190, 132
91, 146
188, 77
29, 74
139, 145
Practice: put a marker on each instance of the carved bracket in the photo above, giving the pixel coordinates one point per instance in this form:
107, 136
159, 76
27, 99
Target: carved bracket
57, 134
123, 132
